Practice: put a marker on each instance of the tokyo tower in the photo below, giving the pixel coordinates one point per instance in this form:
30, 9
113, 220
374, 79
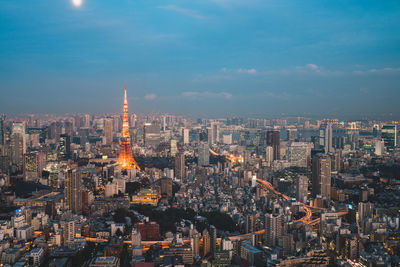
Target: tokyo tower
125, 158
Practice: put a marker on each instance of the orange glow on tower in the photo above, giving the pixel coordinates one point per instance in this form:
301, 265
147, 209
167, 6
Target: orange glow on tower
125, 158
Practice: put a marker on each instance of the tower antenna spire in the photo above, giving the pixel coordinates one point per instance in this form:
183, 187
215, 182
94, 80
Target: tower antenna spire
125, 158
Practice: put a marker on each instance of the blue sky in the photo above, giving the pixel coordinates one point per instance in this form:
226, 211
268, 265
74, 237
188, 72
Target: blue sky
201, 57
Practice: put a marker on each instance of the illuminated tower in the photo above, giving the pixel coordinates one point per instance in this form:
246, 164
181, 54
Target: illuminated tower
125, 158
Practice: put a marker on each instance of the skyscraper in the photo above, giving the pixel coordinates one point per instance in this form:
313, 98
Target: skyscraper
64, 147
301, 188
389, 136
273, 139
74, 191
273, 228
325, 137
2, 130
213, 239
125, 158
108, 130
151, 134
18, 143
213, 133
180, 171
321, 175
33, 165
204, 154
186, 136
298, 153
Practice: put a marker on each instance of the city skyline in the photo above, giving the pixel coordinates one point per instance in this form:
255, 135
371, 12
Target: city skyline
203, 58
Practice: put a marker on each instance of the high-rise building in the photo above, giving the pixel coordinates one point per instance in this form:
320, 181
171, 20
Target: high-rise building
321, 175
298, 153
206, 243
86, 120
291, 134
180, 171
74, 191
108, 130
64, 147
365, 210
273, 228
2, 129
273, 139
173, 147
213, 134
269, 154
151, 134
213, 239
18, 143
195, 242
166, 187
69, 231
125, 158
325, 137
379, 147
227, 139
301, 188
389, 136
186, 139
204, 155
33, 165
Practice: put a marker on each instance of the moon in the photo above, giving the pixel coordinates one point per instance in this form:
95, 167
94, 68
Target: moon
77, 3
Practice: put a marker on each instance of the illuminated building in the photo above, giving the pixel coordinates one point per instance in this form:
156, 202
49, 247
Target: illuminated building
33, 165
389, 136
321, 176
145, 196
173, 147
64, 147
125, 158
206, 243
186, 136
18, 143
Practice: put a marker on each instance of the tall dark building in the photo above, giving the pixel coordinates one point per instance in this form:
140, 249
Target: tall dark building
2, 129
389, 136
213, 239
321, 175
73, 190
180, 171
64, 147
273, 139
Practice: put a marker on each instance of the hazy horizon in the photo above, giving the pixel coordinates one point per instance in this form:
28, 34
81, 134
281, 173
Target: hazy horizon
213, 58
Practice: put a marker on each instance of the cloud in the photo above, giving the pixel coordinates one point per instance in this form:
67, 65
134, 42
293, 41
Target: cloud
248, 71
192, 94
377, 71
184, 11
233, 3
150, 96
312, 66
